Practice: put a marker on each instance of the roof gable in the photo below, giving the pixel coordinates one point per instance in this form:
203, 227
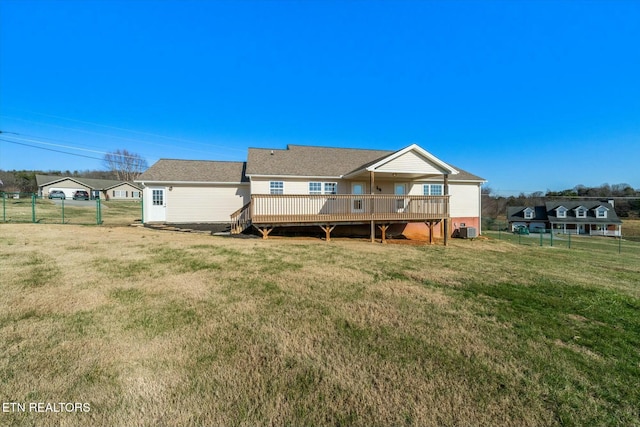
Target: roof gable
412, 159
93, 183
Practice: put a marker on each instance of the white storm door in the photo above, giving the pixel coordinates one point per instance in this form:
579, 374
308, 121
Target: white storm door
357, 205
400, 190
157, 204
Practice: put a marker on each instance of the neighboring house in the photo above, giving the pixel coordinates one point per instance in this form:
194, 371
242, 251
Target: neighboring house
315, 186
568, 217
108, 189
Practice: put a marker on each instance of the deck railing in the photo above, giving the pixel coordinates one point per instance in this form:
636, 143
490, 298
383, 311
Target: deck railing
241, 219
327, 208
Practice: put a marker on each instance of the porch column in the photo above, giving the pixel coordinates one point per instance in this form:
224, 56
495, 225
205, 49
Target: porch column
446, 219
372, 182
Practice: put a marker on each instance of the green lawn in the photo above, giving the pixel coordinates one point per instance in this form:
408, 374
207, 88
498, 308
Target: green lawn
162, 328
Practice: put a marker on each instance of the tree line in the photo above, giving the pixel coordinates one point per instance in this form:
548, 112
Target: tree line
121, 165
626, 199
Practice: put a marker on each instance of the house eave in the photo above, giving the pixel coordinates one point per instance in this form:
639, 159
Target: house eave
154, 182
295, 176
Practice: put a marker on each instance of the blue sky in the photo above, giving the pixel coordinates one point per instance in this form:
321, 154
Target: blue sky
530, 95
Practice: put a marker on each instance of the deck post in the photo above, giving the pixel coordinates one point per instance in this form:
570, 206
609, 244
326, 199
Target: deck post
446, 219
264, 231
327, 229
431, 232
372, 205
383, 229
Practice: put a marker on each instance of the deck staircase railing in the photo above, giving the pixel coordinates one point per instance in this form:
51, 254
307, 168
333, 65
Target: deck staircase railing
241, 219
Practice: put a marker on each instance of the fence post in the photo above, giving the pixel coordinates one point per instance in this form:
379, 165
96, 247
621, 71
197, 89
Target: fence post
142, 209
33, 207
569, 240
98, 212
4, 207
62, 200
619, 244
552, 237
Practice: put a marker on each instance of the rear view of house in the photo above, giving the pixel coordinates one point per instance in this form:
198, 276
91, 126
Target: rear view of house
315, 186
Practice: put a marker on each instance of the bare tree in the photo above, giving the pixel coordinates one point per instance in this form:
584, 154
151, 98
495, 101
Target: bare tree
125, 165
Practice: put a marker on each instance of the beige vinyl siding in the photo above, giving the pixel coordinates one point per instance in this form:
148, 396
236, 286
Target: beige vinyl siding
465, 200
295, 185
410, 162
204, 204
131, 192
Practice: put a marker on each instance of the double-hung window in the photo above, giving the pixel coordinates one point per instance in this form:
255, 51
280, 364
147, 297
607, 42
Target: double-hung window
315, 188
330, 188
276, 187
323, 188
432, 190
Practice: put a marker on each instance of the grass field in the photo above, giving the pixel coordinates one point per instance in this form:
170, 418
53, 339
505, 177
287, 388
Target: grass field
162, 328
45, 211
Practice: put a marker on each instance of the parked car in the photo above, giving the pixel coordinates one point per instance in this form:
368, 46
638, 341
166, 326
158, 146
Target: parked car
57, 194
81, 195
521, 229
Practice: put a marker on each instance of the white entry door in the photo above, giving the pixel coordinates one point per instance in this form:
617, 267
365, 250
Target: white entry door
357, 204
156, 206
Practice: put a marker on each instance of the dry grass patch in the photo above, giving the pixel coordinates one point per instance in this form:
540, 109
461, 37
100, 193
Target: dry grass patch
185, 329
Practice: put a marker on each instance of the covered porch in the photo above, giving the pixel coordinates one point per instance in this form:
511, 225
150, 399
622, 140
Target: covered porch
590, 229
391, 190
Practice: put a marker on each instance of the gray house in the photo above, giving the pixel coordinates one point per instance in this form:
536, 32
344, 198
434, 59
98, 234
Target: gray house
595, 218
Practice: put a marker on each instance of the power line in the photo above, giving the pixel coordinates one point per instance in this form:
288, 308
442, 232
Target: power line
120, 129
65, 146
50, 149
116, 161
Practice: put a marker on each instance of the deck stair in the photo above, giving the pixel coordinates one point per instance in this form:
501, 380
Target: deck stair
241, 219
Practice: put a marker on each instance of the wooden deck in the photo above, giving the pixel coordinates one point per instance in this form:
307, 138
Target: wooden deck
267, 210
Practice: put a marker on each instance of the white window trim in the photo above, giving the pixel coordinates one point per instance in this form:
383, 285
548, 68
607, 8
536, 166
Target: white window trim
561, 212
315, 191
271, 188
323, 187
581, 213
427, 189
601, 212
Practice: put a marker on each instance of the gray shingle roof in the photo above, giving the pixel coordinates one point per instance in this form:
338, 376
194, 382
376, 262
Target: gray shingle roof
548, 212
611, 218
170, 170
516, 213
299, 160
